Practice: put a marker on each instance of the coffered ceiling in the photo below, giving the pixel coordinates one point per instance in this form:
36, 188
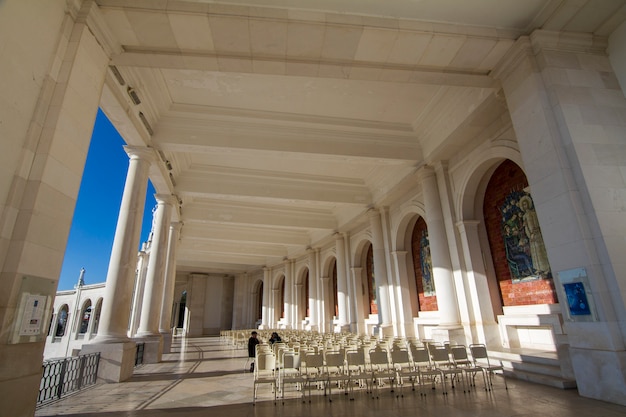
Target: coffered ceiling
279, 122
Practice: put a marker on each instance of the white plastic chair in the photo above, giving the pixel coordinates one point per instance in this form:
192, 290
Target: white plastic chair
481, 360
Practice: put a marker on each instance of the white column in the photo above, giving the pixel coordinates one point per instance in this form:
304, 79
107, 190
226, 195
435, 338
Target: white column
325, 308
297, 307
153, 293
380, 269
442, 265
140, 281
312, 288
288, 292
479, 292
403, 298
267, 289
165, 322
357, 321
121, 274
342, 281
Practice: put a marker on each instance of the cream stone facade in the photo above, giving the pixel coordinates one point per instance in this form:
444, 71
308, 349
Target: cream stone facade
298, 149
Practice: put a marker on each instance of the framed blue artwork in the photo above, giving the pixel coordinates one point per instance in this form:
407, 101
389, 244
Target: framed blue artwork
577, 299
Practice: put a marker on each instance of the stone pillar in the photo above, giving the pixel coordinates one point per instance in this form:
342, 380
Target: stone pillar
357, 320
140, 281
313, 278
298, 307
165, 322
148, 331
342, 283
325, 305
567, 110
267, 289
403, 305
449, 321
480, 293
117, 350
195, 306
380, 272
288, 293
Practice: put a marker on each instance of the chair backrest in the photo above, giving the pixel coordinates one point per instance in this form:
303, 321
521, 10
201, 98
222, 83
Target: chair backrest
420, 356
459, 354
355, 357
314, 360
265, 362
440, 355
379, 357
400, 358
479, 353
291, 360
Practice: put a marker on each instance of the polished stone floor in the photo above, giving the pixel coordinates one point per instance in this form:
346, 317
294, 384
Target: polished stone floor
205, 377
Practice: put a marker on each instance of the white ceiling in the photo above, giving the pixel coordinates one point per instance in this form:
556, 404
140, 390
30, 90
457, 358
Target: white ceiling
285, 120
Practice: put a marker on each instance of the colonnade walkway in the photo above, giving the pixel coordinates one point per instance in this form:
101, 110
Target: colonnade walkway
206, 377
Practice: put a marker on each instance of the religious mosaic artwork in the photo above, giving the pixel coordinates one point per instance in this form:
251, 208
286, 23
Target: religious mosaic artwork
426, 265
523, 242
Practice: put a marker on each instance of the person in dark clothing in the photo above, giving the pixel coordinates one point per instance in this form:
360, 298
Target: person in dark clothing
275, 338
252, 342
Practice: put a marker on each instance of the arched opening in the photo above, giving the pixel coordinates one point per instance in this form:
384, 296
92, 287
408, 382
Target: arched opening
62, 320
371, 280
422, 267
96, 316
516, 245
85, 317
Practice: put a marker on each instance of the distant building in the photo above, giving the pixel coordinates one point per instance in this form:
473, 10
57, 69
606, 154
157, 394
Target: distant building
75, 318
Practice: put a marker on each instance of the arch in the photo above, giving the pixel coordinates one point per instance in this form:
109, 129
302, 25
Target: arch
85, 317
62, 321
480, 168
96, 316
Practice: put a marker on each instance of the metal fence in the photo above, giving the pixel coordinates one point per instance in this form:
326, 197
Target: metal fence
64, 376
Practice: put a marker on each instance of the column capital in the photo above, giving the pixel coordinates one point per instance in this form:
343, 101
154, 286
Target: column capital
140, 152
372, 212
165, 199
425, 171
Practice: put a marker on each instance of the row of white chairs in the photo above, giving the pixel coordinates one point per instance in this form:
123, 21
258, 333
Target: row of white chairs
426, 366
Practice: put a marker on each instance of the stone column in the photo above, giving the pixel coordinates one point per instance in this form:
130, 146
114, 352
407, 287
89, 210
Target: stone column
567, 110
442, 265
140, 281
357, 321
196, 304
380, 272
325, 305
403, 305
298, 307
165, 323
267, 289
312, 289
148, 330
116, 349
288, 292
480, 293
342, 283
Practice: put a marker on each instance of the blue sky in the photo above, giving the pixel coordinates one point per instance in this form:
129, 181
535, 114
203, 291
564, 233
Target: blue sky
95, 217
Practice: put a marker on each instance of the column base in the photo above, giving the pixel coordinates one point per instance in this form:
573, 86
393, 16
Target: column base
167, 342
383, 330
442, 334
153, 348
599, 374
117, 360
339, 328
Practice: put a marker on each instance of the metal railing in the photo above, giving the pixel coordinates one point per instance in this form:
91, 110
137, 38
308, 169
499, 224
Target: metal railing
61, 377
